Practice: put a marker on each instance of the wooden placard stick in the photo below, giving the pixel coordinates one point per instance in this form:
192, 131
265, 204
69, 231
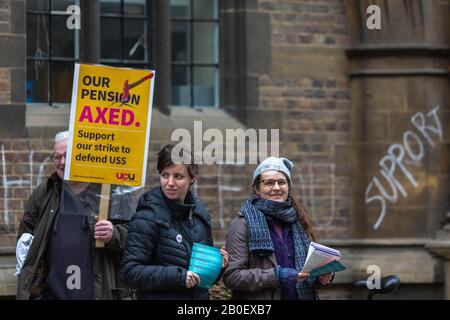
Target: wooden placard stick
103, 210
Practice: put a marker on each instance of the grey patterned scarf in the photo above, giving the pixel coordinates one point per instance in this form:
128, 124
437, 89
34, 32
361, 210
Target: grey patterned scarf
260, 241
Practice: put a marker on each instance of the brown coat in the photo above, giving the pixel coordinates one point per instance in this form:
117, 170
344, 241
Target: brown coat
38, 218
249, 276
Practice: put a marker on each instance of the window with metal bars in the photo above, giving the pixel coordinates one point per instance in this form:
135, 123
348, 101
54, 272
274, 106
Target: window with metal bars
125, 31
52, 48
195, 53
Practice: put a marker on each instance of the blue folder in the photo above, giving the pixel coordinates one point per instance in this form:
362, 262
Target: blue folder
333, 266
206, 262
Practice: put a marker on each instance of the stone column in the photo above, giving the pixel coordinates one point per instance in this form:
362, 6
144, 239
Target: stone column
162, 53
90, 31
12, 69
399, 73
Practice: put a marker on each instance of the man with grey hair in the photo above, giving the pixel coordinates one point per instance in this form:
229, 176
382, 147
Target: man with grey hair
57, 258
60, 150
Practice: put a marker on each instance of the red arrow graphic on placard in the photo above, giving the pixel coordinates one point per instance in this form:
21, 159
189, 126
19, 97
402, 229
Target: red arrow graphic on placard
127, 86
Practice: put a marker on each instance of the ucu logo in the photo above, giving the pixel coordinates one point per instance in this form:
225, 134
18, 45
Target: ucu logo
125, 176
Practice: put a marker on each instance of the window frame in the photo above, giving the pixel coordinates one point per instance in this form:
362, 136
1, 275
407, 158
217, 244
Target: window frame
49, 13
77, 56
191, 64
148, 18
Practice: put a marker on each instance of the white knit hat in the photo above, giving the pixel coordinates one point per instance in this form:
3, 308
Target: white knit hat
274, 163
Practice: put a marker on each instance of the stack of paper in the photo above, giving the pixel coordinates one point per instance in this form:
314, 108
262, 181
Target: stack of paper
322, 260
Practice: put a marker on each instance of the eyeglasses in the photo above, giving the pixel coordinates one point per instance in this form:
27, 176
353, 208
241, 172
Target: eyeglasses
57, 157
270, 183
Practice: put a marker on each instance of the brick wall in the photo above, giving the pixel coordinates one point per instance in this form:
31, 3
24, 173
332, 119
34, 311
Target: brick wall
12, 99
12, 68
5, 75
303, 22
315, 118
5, 86
24, 163
311, 92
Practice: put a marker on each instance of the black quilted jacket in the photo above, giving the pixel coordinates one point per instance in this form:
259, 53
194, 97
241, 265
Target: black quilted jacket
160, 239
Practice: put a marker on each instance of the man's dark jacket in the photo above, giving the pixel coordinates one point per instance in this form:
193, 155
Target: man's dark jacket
40, 212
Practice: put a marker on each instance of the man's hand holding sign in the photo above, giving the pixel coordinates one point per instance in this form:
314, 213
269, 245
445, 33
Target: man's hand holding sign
109, 129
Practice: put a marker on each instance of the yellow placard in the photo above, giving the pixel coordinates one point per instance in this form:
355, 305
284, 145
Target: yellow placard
110, 121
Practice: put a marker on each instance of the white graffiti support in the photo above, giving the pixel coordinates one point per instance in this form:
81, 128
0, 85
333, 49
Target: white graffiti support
376, 198
415, 158
19, 182
222, 188
419, 121
196, 188
219, 183
302, 186
333, 195
311, 189
5, 188
30, 160
41, 173
430, 129
310, 198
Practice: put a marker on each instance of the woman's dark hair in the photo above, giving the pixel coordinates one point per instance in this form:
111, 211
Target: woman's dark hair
165, 160
303, 215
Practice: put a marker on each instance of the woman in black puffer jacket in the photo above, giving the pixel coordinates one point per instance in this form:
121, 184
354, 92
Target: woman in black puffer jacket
168, 220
